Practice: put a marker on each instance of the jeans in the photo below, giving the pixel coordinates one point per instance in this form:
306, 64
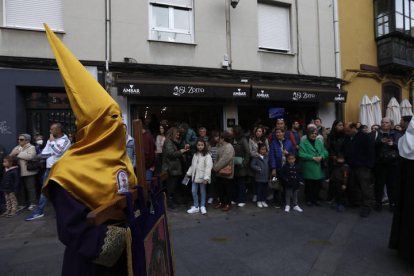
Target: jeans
148, 174
43, 199
194, 191
239, 189
261, 191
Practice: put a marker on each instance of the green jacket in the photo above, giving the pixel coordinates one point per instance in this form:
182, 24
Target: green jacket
310, 168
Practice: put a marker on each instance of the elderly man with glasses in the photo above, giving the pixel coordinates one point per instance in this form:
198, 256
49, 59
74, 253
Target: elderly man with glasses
25, 152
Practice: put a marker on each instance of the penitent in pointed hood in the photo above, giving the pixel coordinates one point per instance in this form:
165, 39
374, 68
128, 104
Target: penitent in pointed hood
96, 168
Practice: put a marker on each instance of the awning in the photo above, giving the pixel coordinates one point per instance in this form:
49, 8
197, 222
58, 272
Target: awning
151, 87
298, 93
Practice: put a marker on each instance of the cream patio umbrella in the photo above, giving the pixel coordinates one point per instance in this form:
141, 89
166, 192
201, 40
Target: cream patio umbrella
393, 111
376, 110
365, 112
406, 108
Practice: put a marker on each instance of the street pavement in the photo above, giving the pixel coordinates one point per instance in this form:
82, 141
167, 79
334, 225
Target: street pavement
242, 241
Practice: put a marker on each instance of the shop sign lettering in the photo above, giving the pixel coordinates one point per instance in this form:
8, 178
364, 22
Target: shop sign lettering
262, 95
131, 90
302, 95
239, 93
179, 90
339, 98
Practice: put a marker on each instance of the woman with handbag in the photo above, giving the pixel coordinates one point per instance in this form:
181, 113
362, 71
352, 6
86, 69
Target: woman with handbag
312, 153
279, 149
171, 162
386, 162
241, 165
224, 168
26, 152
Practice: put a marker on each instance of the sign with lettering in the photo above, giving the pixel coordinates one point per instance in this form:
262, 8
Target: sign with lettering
298, 95
191, 90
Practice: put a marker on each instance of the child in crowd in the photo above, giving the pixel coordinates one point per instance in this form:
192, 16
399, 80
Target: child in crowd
339, 180
261, 167
10, 184
292, 177
200, 172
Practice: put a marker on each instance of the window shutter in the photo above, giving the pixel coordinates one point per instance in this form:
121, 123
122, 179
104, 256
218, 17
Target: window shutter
177, 3
274, 31
32, 14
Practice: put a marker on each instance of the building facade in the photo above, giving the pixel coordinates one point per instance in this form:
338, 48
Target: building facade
377, 51
203, 62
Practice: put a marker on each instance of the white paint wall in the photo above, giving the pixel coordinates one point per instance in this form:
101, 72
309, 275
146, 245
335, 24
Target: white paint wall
84, 25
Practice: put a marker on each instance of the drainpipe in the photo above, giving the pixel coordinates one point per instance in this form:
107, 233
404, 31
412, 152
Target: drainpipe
338, 66
108, 34
228, 33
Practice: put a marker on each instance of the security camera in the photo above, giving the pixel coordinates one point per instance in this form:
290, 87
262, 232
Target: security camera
234, 3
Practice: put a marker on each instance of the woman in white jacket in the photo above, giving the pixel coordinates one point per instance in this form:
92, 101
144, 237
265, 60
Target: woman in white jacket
200, 173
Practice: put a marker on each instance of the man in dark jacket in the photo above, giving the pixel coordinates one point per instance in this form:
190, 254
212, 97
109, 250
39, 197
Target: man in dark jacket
149, 151
404, 123
360, 155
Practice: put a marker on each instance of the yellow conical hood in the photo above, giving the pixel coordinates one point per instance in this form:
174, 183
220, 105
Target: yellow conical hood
96, 168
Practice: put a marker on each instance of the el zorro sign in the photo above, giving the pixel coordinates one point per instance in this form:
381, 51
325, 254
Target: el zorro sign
193, 90
297, 95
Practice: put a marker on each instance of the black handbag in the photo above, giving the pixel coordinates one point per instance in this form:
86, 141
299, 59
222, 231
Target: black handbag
274, 184
35, 165
389, 156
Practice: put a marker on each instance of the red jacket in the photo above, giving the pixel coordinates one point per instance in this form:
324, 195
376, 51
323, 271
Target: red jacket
149, 150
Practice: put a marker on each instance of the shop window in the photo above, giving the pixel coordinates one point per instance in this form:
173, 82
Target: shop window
32, 14
171, 20
274, 27
389, 90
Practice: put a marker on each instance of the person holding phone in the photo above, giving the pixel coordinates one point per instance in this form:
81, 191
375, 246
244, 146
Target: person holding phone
386, 163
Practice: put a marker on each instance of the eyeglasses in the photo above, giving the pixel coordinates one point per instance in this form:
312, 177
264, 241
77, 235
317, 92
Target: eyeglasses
21, 139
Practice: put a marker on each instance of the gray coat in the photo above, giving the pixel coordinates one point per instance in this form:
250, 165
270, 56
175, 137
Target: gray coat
225, 156
241, 149
261, 168
171, 158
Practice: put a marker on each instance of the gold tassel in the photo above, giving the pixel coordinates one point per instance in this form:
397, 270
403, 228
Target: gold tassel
129, 251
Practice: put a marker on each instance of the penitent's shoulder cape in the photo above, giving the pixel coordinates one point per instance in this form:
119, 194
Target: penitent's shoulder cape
96, 168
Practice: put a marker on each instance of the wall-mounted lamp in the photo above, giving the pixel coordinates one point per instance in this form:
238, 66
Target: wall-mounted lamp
234, 3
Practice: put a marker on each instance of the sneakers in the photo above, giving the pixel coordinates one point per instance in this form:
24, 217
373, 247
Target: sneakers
210, 200
254, 198
340, 208
277, 206
287, 208
20, 208
12, 214
34, 216
241, 204
265, 204
193, 210
328, 200
270, 197
32, 207
297, 209
259, 204
203, 210
233, 202
5, 214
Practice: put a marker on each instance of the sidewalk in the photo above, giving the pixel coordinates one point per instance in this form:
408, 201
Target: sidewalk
242, 241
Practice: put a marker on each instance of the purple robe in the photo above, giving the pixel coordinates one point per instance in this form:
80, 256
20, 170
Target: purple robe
84, 243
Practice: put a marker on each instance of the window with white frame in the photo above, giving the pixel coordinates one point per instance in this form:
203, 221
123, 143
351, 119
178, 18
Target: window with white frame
171, 20
32, 14
274, 27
